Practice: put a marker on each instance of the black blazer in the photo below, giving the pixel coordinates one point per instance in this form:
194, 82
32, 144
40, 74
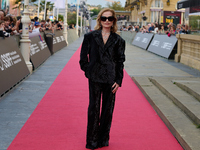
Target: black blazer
103, 63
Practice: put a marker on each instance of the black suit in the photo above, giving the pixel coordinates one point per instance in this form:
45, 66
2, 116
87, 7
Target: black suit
103, 66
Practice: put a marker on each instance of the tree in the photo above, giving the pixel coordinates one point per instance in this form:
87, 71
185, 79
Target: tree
71, 18
60, 17
49, 7
115, 6
95, 12
20, 3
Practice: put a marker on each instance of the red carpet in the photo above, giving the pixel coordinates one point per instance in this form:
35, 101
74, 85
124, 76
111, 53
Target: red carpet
59, 121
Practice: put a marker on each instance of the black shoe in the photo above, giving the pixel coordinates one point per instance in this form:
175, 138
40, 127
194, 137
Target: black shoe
91, 147
103, 144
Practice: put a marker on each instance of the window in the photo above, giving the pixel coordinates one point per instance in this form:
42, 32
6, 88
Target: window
157, 4
156, 7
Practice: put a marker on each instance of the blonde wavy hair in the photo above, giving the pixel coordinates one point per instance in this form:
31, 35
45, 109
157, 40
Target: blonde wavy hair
98, 25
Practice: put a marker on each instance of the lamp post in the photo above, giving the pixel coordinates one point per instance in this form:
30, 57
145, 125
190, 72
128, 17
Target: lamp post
38, 13
57, 12
65, 22
45, 7
77, 14
81, 21
53, 10
25, 41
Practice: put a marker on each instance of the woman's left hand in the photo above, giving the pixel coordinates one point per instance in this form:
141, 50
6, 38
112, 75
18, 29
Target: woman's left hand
115, 87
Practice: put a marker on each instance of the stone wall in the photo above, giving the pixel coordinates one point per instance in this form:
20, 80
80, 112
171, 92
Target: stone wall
188, 50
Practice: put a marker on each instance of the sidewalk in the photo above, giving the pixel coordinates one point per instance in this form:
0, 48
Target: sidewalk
19, 103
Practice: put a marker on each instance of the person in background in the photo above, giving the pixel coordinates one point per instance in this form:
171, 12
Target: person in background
185, 29
35, 20
3, 33
32, 24
2, 14
161, 29
48, 24
43, 24
19, 24
144, 29
172, 31
155, 28
151, 28
178, 29
137, 28
58, 25
130, 28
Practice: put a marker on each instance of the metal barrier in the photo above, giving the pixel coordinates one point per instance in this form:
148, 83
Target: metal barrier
128, 36
13, 68
12, 65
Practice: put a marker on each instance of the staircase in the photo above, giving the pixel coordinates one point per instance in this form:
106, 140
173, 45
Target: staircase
177, 102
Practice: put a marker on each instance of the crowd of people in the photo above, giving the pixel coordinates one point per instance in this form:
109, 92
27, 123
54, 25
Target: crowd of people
156, 28
11, 25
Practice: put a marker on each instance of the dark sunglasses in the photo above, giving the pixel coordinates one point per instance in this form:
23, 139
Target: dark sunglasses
110, 18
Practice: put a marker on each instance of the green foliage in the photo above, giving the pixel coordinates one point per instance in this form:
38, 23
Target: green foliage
49, 6
116, 6
60, 17
71, 19
95, 12
194, 23
20, 3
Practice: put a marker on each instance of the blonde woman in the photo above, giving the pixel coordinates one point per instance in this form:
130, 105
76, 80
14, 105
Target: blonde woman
102, 57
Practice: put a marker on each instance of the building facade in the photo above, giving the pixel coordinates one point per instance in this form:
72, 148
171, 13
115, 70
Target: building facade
161, 11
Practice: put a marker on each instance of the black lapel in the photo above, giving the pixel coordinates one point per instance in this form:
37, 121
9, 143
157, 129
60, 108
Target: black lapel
98, 38
111, 41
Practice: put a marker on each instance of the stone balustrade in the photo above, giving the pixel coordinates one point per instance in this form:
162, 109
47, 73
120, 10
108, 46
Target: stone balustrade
188, 51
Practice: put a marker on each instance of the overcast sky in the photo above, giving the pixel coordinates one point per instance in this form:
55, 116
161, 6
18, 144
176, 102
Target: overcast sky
100, 2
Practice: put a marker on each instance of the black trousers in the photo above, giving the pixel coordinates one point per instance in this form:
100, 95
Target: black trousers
98, 127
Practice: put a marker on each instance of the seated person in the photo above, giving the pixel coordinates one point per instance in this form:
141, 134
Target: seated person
59, 26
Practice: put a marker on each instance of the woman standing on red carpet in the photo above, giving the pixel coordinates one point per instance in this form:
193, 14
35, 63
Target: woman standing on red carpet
102, 57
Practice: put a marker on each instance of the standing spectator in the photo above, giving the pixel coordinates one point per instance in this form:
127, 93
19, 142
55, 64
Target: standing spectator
124, 28
178, 29
155, 28
161, 29
151, 29
7, 28
48, 24
19, 24
144, 30
35, 20
185, 29
43, 24
130, 28
172, 31
2, 14
3, 33
137, 28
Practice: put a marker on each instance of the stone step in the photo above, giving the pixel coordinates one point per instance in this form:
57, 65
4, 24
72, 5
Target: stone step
187, 103
179, 124
191, 87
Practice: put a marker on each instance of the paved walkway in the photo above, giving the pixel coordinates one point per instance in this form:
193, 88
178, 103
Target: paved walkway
18, 104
